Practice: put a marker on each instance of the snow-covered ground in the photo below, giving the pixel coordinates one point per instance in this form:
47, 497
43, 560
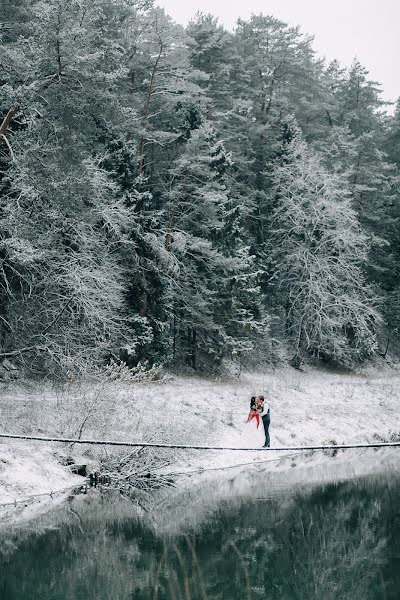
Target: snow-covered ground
31, 478
306, 407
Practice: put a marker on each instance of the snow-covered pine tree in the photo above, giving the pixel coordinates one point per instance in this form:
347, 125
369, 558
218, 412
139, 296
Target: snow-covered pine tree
241, 302
355, 146
215, 294
392, 232
320, 252
148, 273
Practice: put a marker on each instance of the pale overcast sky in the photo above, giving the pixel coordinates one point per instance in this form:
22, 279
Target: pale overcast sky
368, 29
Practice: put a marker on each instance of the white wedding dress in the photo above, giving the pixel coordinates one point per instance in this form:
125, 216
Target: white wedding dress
251, 436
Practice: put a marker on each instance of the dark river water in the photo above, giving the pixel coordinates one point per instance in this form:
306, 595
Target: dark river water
244, 538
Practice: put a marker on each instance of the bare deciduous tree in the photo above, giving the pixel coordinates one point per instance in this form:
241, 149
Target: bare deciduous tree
320, 250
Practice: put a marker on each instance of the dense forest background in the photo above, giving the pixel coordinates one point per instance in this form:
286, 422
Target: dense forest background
189, 197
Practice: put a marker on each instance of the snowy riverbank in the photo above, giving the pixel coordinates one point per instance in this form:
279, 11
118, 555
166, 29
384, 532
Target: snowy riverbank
307, 407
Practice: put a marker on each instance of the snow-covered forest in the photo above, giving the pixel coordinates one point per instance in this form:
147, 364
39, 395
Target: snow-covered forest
193, 198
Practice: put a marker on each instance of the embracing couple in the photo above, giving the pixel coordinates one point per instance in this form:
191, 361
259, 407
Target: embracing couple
259, 410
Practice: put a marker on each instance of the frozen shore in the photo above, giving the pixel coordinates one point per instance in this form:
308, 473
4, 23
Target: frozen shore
306, 408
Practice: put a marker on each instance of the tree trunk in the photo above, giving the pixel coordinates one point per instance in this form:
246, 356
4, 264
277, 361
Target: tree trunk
147, 109
193, 350
174, 337
296, 361
6, 122
143, 304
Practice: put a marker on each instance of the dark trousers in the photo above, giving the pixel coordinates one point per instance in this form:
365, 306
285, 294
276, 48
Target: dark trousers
266, 421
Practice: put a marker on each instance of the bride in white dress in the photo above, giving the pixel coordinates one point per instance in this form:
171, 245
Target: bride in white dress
253, 435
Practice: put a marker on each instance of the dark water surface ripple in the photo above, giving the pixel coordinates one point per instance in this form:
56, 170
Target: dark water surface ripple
340, 540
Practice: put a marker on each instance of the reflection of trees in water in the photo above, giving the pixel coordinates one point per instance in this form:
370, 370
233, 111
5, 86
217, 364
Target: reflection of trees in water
335, 543
65, 557
330, 547
321, 547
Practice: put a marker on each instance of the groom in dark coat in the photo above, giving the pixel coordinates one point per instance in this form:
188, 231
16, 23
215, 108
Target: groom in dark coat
266, 419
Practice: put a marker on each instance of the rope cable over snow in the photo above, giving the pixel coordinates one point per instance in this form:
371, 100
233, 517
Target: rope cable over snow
196, 447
